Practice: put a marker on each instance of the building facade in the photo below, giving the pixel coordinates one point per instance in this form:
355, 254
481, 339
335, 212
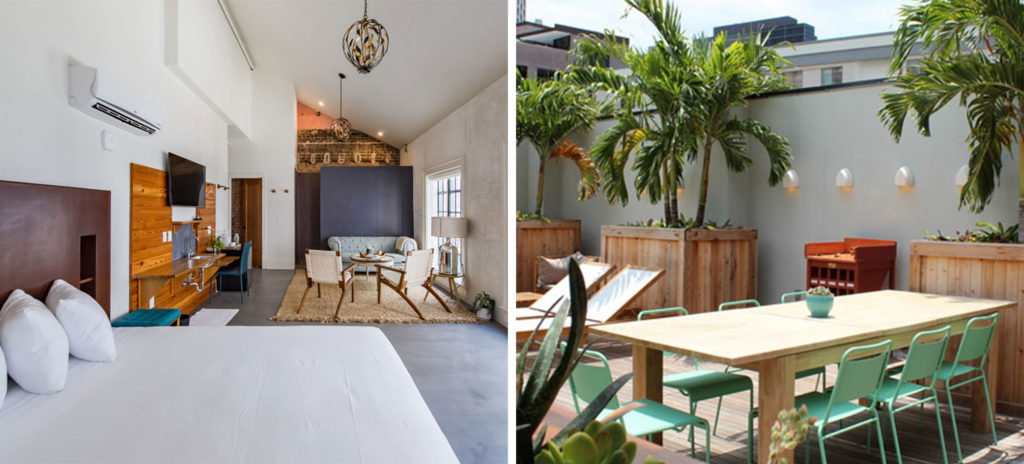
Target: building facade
542, 50
778, 30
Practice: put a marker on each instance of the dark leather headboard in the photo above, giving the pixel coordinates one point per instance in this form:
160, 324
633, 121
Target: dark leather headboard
50, 232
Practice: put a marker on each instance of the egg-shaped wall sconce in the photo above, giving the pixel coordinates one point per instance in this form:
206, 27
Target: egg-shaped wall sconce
791, 179
961, 176
904, 177
844, 179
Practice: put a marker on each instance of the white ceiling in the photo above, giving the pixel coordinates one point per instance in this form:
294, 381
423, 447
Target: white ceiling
441, 54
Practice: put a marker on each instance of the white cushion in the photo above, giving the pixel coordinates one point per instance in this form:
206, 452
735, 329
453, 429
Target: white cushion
86, 324
3, 377
34, 344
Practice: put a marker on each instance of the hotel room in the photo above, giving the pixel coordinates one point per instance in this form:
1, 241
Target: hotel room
254, 231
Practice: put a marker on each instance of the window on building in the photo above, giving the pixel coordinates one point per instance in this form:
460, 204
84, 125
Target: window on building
831, 76
444, 194
545, 74
522, 72
794, 78
912, 67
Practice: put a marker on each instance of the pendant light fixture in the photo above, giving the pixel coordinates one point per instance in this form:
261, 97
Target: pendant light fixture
365, 43
341, 128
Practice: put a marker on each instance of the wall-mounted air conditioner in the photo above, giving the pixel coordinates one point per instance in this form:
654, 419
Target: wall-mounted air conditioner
97, 94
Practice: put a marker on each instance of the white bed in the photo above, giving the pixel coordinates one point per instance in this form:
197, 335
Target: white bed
230, 394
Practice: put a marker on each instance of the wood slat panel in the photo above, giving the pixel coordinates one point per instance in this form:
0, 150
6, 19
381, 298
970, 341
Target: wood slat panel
150, 217
702, 267
556, 238
983, 271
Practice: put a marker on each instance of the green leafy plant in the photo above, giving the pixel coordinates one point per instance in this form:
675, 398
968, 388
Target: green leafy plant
989, 233
547, 112
678, 103
819, 291
972, 55
788, 432
681, 223
217, 243
526, 216
536, 390
598, 443
483, 300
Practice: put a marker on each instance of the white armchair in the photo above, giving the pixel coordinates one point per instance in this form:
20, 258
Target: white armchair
325, 267
418, 271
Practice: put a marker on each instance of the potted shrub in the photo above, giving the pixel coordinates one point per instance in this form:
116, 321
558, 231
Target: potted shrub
671, 111
819, 301
968, 52
483, 305
547, 113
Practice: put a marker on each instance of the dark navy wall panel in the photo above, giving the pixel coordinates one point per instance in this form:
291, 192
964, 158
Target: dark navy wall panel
365, 201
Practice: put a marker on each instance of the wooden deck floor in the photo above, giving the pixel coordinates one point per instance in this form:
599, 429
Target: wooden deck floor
918, 441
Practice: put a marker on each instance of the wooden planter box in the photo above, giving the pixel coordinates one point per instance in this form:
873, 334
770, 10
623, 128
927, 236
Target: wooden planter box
981, 270
538, 238
702, 267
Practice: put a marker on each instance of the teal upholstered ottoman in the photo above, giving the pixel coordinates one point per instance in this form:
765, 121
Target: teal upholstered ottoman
148, 318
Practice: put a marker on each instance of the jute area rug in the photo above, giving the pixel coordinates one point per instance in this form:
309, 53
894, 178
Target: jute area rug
392, 308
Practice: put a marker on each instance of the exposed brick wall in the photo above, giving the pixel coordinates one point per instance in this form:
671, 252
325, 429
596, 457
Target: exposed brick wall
316, 147
237, 209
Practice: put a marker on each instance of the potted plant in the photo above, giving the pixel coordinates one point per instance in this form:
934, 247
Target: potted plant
674, 107
547, 113
819, 301
483, 305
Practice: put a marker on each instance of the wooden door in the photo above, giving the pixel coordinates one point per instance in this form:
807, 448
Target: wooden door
253, 191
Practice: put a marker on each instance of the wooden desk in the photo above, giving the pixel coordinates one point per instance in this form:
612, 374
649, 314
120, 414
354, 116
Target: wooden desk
782, 339
153, 279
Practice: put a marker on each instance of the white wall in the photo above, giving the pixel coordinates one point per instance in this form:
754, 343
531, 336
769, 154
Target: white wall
270, 154
726, 193
475, 137
829, 130
46, 141
202, 51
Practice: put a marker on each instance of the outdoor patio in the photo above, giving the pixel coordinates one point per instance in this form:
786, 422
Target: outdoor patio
918, 440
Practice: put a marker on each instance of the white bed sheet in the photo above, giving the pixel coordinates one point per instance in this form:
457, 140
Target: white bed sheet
230, 394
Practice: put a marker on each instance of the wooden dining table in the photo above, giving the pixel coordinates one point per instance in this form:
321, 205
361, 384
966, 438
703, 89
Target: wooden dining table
779, 340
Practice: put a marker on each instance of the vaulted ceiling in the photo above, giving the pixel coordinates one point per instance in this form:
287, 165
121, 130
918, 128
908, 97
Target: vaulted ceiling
442, 52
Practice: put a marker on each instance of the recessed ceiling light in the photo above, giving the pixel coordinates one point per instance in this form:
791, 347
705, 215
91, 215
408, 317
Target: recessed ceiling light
321, 103
380, 133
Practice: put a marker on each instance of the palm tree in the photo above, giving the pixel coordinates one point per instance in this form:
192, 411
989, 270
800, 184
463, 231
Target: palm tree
974, 53
677, 104
650, 119
547, 112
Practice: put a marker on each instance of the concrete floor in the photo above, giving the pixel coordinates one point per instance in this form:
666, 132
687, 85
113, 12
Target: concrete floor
460, 369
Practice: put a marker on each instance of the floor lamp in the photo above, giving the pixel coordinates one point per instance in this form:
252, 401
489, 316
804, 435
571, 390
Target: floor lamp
448, 254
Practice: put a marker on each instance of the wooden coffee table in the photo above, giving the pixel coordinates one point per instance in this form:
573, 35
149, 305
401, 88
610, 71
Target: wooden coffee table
370, 260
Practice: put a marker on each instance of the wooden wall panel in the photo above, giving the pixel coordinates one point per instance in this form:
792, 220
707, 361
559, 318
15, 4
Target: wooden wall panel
981, 270
150, 218
556, 238
703, 268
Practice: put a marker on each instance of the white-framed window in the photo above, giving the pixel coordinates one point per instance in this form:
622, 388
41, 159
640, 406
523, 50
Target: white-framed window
794, 78
832, 75
444, 198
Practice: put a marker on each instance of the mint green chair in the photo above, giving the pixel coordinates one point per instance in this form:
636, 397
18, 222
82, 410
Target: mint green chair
861, 370
745, 304
703, 384
923, 361
587, 381
974, 346
793, 296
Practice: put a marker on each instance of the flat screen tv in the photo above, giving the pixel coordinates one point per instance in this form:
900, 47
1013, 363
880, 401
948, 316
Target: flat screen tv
186, 182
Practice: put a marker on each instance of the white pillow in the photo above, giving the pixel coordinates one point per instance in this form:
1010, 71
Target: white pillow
86, 324
34, 344
3, 377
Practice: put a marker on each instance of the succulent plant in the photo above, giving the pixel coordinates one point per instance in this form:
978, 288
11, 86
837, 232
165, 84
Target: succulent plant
598, 443
820, 291
788, 432
536, 390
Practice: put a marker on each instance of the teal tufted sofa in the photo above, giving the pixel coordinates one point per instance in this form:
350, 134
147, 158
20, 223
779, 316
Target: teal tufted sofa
349, 245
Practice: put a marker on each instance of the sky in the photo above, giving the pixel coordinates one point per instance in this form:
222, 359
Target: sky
830, 18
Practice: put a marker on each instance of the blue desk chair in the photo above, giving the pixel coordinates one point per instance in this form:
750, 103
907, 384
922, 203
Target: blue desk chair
240, 269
